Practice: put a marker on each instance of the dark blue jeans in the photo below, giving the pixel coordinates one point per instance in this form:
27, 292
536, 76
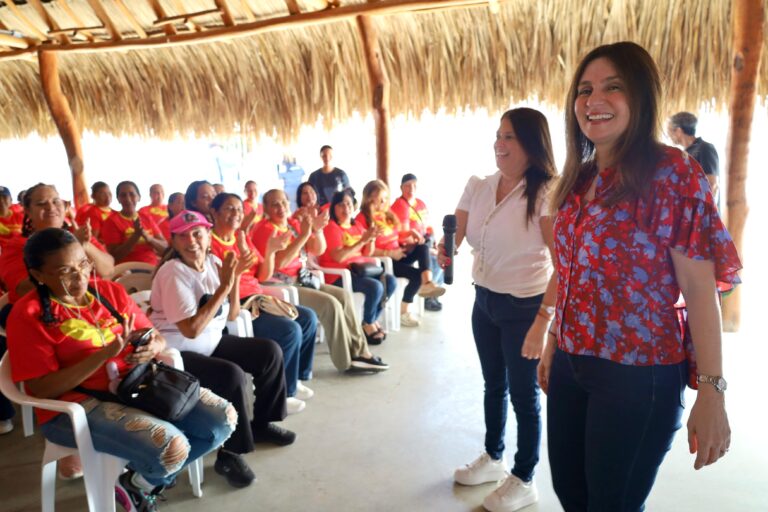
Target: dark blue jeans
296, 338
499, 323
373, 289
609, 426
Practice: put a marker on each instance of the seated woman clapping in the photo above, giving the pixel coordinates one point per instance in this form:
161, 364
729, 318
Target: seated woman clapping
62, 335
404, 248
295, 337
130, 235
193, 295
349, 243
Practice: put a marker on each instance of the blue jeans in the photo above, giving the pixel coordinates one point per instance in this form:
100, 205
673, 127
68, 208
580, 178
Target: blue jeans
142, 439
609, 426
296, 338
373, 289
500, 323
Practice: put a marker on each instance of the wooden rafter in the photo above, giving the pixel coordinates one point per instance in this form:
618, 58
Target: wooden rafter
185, 18
130, 18
101, 13
78, 22
179, 6
157, 8
226, 13
13, 42
53, 26
247, 10
347, 12
293, 6
31, 27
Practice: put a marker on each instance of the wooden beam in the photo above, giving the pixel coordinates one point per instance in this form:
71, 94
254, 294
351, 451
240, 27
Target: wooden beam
77, 21
304, 19
185, 18
157, 8
31, 27
377, 75
226, 14
130, 18
247, 9
48, 19
748, 32
293, 6
181, 8
65, 123
13, 42
101, 13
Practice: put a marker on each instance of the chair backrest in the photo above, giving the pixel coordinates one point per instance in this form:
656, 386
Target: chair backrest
142, 299
132, 267
135, 282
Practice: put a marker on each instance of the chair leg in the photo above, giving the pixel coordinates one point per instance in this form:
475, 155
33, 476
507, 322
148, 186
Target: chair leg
48, 486
195, 469
100, 479
28, 420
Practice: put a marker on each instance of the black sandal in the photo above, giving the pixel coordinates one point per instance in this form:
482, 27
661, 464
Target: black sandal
374, 338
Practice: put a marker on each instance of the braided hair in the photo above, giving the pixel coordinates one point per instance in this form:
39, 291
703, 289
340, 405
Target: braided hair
36, 251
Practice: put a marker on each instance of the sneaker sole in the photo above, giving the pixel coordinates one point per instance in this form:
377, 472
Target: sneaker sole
530, 500
439, 292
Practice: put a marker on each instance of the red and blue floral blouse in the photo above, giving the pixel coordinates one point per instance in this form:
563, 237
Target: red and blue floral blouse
616, 283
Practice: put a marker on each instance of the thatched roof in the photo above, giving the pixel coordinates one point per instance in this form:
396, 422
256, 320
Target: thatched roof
277, 81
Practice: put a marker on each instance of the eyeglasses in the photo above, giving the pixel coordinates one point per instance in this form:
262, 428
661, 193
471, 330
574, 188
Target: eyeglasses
72, 274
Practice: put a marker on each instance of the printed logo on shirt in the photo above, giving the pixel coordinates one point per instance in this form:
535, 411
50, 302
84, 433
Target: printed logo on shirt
348, 239
81, 330
158, 211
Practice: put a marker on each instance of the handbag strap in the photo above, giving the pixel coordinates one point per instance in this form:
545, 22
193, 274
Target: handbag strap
107, 305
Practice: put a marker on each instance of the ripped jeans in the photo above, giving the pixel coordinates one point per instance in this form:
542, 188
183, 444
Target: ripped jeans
154, 448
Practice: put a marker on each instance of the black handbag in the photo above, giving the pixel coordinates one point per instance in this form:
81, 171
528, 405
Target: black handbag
307, 279
366, 269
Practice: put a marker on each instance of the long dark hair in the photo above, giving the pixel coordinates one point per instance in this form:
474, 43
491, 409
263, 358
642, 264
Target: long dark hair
337, 198
532, 132
190, 196
638, 149
36, 251
301, 189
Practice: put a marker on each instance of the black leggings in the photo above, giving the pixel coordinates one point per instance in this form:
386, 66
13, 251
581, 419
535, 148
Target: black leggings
224, 373
404, 268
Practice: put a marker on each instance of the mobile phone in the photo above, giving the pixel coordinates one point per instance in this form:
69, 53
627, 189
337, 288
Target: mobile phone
142, 337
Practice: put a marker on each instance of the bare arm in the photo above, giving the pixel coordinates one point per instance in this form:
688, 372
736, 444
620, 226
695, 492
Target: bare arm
709, 434
537, 333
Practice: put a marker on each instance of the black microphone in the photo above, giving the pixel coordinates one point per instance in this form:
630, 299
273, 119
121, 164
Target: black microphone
449, 243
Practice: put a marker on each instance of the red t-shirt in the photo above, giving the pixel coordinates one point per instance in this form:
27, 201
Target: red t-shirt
37, 349
388, 240
411, 216
338, 235
263, 232
12, 268
10, 225
118, 228
249, 283
248, 208
96, 214
157, 213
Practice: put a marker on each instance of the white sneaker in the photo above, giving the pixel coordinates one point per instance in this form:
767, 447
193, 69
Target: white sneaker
481, 470
303, 392
294, 405
513, 494
407, 320
431, 290
5, 426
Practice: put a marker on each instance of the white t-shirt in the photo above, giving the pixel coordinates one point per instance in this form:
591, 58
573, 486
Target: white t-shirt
510, 255
176, 293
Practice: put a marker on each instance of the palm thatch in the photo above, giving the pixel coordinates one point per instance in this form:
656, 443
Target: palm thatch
274, 82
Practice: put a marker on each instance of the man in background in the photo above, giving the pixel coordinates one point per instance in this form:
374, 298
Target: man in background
328, 179
682, 130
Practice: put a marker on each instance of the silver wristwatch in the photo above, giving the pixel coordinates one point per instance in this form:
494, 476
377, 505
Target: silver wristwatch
718, 382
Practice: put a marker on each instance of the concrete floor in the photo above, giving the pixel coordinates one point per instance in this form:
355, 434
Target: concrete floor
390, 442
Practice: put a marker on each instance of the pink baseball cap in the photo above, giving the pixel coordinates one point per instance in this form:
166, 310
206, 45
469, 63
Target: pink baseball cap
186, 220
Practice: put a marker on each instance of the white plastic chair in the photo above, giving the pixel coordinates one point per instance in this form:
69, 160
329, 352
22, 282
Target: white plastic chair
100, 470
346, 284
130, 267
27, 412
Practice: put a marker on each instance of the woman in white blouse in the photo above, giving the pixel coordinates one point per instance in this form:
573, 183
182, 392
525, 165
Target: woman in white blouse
505, 220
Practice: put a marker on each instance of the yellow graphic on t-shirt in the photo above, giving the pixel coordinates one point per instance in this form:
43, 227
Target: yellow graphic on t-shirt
381, 220
349, 240
158, 211
81, 330
4, 231
130, 231
105, 212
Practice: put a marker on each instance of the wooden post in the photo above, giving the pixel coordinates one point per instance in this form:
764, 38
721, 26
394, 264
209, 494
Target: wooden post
748, 20
65, 122
377, 75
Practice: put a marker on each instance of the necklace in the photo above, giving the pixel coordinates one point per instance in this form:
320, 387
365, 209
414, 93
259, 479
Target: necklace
94, 323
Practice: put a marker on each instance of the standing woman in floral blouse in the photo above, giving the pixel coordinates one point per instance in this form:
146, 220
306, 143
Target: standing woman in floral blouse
635, 226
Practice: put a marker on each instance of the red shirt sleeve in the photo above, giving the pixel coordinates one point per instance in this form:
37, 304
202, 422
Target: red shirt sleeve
12, 268
260, 234
402, 211
110, 232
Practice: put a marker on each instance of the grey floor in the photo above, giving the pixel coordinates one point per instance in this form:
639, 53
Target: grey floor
390, 442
